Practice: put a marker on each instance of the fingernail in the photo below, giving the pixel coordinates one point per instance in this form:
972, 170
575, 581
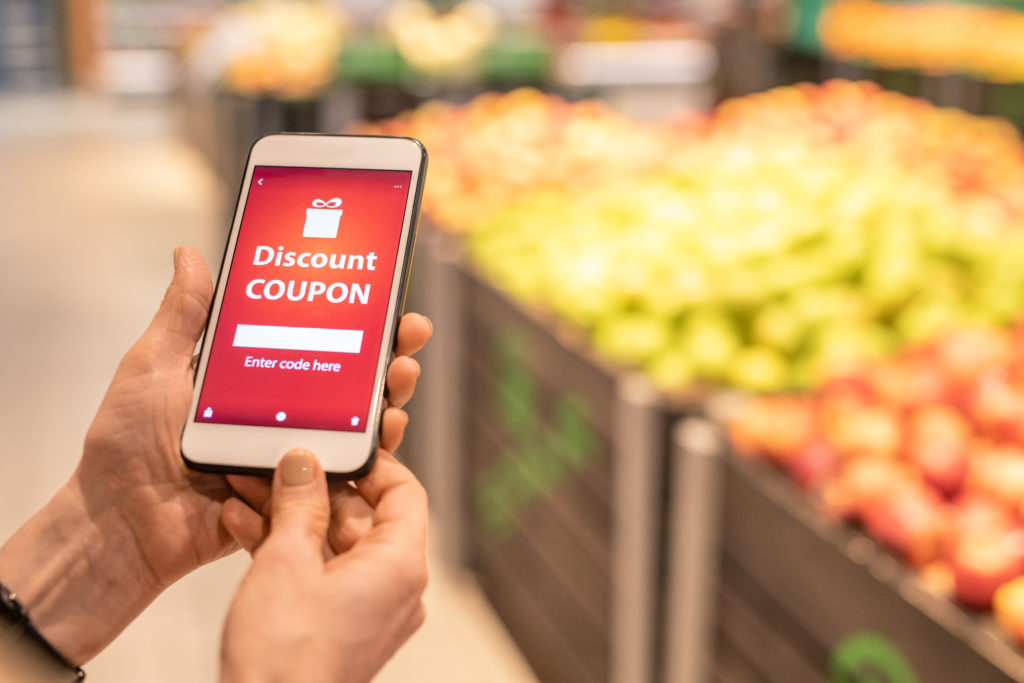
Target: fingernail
297, 467
176, 252
430, 324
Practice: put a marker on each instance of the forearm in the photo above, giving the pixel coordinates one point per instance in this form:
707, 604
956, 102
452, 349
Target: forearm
76, 574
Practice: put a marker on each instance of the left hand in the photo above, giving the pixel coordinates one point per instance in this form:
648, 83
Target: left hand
133, 519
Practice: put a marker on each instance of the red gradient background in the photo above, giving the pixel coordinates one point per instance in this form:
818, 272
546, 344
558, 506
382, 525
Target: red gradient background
275, 213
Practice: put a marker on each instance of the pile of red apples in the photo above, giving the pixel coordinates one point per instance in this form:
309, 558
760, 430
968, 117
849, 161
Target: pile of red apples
925, 452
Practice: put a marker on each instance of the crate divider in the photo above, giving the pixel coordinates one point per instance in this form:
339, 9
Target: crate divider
636, 470
692, 558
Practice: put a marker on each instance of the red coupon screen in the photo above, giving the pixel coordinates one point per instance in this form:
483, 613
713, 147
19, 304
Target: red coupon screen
306, 299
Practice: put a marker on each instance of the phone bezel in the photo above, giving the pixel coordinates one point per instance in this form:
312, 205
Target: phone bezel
257, 449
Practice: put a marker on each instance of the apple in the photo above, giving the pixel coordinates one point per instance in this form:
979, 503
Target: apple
937, 442
997, 407
1008, 605
867, 430
631, 338
814, 464
938, 576
968, 353
712, 339
983, 562
913, 379
780, 427
909, 518
996, 472
671, 369
942, 465
862, 481
976, 515
778, 326
758, 369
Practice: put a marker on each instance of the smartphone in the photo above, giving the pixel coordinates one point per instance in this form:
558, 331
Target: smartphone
307, 304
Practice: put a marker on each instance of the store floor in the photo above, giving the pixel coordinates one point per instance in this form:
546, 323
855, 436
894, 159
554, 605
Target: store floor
94, 196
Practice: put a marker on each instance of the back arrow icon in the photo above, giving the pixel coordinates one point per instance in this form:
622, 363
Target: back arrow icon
260, 182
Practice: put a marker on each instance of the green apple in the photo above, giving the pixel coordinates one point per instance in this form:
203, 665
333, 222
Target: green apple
631, 338
778, 326
711, 337
842, 347
760, 369
671, 369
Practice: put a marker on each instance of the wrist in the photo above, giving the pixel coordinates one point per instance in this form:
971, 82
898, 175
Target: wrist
76, 573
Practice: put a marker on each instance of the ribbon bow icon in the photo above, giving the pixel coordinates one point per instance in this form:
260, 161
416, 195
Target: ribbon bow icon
329, 204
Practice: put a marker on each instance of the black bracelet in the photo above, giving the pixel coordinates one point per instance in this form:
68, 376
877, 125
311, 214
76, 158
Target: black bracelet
14, 617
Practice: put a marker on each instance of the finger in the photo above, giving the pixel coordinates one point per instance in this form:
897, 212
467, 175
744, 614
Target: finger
179, 321
401, 380
246, 526
392, 429
300, 509
351, 518
398, 499
253, 490
414, 330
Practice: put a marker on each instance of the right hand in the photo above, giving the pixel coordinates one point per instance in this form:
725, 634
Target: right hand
300, 617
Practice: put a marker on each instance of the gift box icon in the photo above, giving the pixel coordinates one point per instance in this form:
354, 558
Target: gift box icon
323, 219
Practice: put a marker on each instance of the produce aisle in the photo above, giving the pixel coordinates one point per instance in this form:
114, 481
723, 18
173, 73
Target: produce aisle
727, 380
94, 196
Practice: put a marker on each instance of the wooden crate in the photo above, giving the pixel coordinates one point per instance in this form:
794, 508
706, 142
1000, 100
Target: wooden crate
562, 489
796, 598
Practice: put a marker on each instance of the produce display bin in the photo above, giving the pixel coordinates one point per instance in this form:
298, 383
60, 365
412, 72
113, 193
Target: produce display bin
563, 491
799, 598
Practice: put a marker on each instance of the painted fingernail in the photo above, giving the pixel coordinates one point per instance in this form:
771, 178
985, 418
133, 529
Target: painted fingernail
297, 467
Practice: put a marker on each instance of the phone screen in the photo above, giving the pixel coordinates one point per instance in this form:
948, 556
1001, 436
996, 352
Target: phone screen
306, 299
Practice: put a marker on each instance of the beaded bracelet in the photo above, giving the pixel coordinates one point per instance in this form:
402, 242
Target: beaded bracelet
14, 620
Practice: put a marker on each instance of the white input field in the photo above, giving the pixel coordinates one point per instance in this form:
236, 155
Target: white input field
298, 338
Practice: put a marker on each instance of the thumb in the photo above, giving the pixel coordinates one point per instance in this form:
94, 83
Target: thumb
300, 508
179, 321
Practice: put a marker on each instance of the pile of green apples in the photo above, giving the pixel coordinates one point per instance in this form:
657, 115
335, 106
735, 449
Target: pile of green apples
762, 263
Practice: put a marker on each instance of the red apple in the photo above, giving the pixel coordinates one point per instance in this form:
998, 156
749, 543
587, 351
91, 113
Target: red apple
860, 482
910, 519
973, 516
779, 427
1008, 604
984, 562
866, 430
944, 466
909, 381
996, 472
936, 443
938, 576
967, 354
816, 463
997, 407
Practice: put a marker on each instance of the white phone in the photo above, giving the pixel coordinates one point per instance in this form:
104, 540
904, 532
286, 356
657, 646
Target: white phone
307, 304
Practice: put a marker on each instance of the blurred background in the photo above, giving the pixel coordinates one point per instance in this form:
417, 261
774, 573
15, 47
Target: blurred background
728, 373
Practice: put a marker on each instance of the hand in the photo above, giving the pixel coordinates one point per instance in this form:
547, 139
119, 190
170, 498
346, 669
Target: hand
300, 617
132, 519
351, 518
